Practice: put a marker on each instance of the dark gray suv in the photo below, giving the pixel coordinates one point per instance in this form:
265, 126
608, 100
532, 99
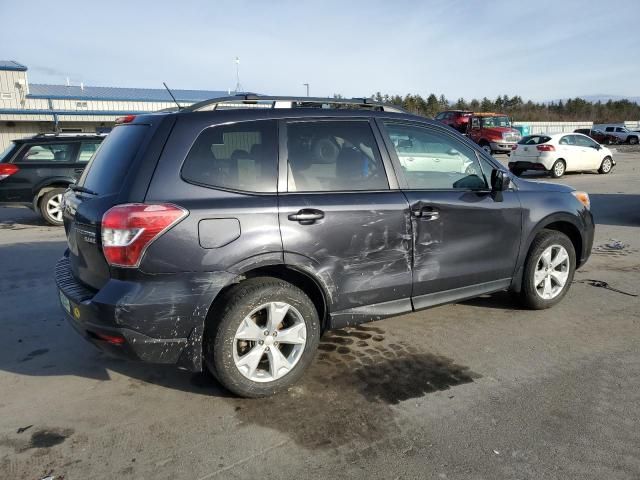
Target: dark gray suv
233, 233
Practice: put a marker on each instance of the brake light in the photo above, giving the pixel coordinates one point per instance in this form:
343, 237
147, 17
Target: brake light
546, 148
126, 119
127, 230
7, 169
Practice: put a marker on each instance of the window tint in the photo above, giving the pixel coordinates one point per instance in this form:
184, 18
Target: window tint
87, 149
584, 141
610, 129
107, 168
49, 152
440, 116
241, 156
534, 140
333, 156
431, 159
475, 122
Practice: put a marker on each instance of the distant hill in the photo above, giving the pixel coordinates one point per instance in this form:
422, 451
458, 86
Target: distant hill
604, 98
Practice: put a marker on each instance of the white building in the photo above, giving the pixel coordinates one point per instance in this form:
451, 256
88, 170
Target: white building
28, 109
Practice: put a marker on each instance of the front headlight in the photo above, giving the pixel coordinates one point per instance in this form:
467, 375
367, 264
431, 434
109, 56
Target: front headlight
583, 198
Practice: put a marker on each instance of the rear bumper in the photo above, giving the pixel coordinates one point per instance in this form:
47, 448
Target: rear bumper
157, 321
522, 165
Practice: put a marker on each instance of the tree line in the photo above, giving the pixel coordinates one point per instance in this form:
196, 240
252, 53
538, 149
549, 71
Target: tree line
576, 109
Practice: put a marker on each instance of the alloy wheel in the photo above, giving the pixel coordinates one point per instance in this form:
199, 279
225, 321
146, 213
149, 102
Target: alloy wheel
269, 342
606, 165
54, 207
551, 272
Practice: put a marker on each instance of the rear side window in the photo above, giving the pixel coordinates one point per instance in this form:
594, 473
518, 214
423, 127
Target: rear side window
87, 149
534, 140
331, 156
241, 156
49, 152
107, 168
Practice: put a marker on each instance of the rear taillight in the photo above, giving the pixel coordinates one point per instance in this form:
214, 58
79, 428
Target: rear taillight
127, 230
546, 148
7, 169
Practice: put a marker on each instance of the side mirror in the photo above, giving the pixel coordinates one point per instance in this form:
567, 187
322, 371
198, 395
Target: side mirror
499, 181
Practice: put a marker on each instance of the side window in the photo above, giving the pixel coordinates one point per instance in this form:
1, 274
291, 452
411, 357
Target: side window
329, 156
620, 130
440, 116
431, 159
87, 149
584, 141
610, 129
567, 140
475, 122
51, 152
240, 156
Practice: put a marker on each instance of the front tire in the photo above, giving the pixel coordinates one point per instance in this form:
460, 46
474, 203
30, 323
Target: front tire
633, 140
606, 166
516, 171
264, 337
548, 270
51, 206
487, 148
558, 169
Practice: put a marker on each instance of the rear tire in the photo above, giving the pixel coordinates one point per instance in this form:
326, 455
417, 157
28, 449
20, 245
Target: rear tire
51, 206
516, 171
558, 169
633, 140
606, 166
240, 348
487, 148
550, 262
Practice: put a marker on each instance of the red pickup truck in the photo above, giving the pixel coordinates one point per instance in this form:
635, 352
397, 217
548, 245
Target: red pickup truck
493, 132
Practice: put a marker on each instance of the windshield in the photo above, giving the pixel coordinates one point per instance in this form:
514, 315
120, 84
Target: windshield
5, 153
498, 121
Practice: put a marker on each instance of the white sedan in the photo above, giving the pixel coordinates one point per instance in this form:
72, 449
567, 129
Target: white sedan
560, 153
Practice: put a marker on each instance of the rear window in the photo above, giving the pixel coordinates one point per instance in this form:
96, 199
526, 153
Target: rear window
241, 156
534, 140
105, 171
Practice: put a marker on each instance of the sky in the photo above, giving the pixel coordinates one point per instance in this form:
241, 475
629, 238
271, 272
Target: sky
540, 50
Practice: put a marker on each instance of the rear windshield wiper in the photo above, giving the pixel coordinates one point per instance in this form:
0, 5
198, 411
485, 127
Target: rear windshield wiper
78, 188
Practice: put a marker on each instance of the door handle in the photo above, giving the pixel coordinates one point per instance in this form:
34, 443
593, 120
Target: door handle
428, 213
306, 216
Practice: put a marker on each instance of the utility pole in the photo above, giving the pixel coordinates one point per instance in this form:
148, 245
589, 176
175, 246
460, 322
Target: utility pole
238, 86
306, 85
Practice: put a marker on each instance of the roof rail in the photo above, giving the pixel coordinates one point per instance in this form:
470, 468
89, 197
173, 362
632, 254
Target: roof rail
267, 101
69, 134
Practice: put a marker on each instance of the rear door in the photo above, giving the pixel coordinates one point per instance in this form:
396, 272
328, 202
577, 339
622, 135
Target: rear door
569, 152
466, 240
39, 164
342, 217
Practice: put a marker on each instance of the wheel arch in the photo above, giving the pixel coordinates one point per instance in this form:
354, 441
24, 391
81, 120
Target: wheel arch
560, 222
42, 188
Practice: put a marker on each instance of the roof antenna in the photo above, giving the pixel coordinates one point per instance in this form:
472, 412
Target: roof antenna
174, 98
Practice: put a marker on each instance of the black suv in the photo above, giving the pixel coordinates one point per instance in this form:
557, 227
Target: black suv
232, 236
36, 171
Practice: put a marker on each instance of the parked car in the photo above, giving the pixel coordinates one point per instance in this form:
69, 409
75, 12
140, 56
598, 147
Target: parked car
599, 136
621, 132
231, 238
36, 171
493, 132
560, 153
458, 119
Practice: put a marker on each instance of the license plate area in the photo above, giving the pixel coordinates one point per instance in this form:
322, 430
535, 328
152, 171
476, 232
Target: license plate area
66, 304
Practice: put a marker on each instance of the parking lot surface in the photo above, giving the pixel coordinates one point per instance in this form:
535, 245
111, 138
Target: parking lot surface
473, 390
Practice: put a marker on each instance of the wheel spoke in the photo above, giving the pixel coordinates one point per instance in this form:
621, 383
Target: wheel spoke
249, 362
249, 331
278, 363
275, 315
546, 257
560, 258
560, 277
548, 289
538, 277
296, 334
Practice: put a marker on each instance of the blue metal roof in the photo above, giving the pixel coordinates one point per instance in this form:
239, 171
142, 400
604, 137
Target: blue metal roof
59, 92
12, 65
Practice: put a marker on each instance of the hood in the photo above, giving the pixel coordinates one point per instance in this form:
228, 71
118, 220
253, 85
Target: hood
529, 185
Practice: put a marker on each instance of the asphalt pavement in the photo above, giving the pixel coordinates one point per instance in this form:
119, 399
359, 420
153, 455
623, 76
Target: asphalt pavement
478, 390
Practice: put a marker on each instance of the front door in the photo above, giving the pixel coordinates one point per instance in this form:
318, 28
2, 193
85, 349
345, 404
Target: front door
342, 219
466, 239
